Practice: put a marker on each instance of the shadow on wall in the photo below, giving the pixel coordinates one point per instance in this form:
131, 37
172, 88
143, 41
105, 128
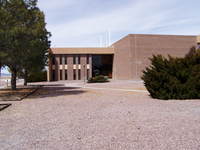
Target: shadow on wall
56, 90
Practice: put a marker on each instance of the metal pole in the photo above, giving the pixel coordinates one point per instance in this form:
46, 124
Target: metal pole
84, 74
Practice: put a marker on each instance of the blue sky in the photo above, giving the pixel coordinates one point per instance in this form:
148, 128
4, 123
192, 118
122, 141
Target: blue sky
84, 23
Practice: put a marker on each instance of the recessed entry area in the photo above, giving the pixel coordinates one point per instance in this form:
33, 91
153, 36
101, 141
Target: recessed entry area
102, 65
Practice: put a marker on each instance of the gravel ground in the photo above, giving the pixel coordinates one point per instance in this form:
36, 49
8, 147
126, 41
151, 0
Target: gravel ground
66, 116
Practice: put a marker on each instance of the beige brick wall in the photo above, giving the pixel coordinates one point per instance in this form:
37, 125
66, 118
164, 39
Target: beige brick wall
132, 53
122, 59
70, 67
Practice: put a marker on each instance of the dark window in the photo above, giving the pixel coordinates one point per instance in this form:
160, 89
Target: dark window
66, 75
74, 59
60, 74
65, 60
79, 74
88, 74
88, 59
102, 65
74, 74
53, 60
53, 75
60, 59
79, 59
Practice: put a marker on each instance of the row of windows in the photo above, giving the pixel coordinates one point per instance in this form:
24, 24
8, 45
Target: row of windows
74, 74
78, 57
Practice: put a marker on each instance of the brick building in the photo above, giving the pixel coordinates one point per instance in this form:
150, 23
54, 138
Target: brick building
123, 60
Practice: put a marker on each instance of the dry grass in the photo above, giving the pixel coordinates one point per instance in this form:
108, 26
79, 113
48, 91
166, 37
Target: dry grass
14, 95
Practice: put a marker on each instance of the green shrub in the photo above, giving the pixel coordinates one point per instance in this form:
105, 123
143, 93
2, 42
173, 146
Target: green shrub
98, 79
38, 76
174, 78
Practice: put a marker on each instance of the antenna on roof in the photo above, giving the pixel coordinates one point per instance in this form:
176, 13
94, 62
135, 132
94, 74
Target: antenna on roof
105, 39
109, 38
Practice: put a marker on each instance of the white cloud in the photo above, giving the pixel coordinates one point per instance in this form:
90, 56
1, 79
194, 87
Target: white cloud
51, 5
143, 16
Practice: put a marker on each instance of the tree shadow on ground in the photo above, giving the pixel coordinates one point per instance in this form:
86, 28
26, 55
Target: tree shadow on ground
16, 95
4, 106
48, 85
56, 90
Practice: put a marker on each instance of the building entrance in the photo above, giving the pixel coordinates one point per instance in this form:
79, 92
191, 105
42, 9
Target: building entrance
102, 65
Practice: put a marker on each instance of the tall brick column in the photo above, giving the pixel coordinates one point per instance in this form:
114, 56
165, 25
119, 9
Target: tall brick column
70, 67
83, 67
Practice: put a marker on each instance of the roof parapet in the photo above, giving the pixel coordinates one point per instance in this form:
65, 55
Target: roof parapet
97, 50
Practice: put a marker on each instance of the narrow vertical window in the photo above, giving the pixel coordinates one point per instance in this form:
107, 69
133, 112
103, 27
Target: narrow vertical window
53, 75
53, 60
66, 75
88, 74
88, 59
65, 60
60, 74
74, 74
79, 59
60, 59
79, 74
74, 59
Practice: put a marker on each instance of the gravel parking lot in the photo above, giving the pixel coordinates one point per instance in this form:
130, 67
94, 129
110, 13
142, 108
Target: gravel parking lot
112, 116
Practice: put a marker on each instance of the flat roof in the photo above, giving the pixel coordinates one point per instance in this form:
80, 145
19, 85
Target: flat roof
84, 50
162, 35
155, 35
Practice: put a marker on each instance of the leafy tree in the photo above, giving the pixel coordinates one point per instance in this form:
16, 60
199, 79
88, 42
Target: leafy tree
38, 44
174, 78
24, 38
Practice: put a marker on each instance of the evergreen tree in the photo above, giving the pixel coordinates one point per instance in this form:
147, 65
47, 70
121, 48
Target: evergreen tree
37, 44
174, 78
24, 38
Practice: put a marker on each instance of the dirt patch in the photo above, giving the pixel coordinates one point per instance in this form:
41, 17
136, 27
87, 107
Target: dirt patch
17, 95
54, 91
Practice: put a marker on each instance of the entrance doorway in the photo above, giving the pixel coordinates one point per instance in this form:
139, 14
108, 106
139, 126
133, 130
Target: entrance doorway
102, 65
